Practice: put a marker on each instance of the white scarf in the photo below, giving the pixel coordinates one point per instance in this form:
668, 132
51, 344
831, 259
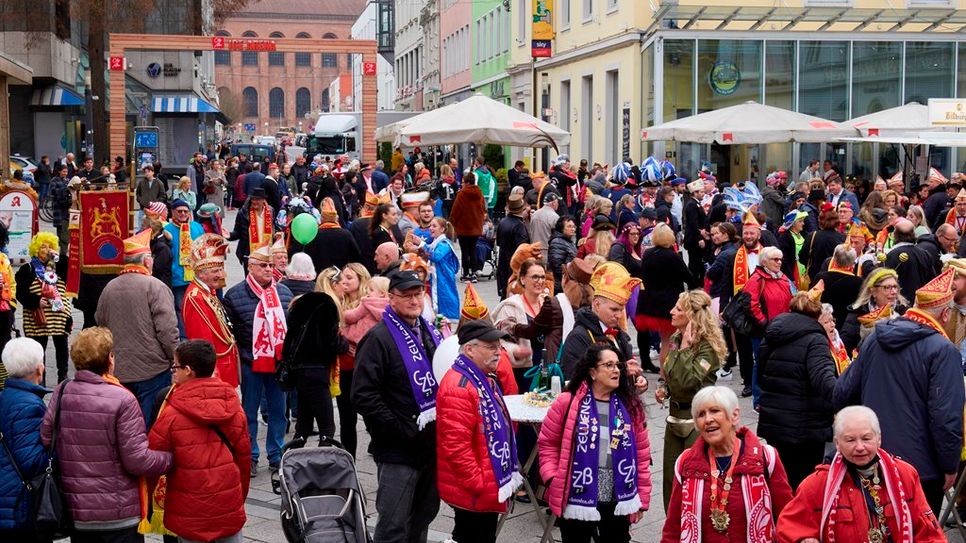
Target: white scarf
268, 327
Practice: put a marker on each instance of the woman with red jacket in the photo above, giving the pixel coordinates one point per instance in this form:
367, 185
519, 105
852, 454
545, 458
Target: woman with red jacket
467, 216
477, 464
598, 475
771, 293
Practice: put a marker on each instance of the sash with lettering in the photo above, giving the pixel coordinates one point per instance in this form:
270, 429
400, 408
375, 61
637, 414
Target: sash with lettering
584, 490
741, 271
500, 444
419, 367
256, 237
268, 328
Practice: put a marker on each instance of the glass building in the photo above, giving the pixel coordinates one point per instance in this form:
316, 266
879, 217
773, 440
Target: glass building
836, 76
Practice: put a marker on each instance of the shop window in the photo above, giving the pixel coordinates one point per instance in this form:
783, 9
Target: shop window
876, 68
780, 74
678, 79
729, 73
929, 71
824, 76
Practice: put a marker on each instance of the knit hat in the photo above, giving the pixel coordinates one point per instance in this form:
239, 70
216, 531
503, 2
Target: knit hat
139, 243
329, 213
179, 203
157, 210
611, 280
474, 307
938, 292
208, 251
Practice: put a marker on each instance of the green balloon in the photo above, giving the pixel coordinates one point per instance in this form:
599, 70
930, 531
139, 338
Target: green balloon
304, 228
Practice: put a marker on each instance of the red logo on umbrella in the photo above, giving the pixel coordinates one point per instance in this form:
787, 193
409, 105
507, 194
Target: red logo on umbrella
727, 136
415, 139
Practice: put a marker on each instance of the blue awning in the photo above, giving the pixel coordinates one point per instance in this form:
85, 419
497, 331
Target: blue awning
56, 96
181, 103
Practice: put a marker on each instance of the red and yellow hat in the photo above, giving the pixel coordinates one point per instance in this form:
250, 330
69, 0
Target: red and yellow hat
474, 308
750, 220
611, 280
938, 292
208, 251
139, 243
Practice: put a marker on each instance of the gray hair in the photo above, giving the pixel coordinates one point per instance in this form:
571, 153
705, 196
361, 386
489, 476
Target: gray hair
300, 268
769, 253
844, 256
828, 309
721, 396
22, 356
380, 164
855, 411
138, 259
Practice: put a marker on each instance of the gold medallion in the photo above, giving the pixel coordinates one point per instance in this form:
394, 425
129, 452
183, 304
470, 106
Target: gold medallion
720, 521
875, 535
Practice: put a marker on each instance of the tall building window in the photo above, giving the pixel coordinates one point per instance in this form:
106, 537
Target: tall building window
275, 58
249, 58
276, 103
303, 102
222, 57
329, 60
303, 59
325, 100
588, 10
250, 97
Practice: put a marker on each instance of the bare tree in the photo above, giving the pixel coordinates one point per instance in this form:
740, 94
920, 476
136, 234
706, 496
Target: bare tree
230, 104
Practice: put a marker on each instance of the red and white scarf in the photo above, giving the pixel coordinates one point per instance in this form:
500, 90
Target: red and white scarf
759, 520
268, 328
893, 484
258, 237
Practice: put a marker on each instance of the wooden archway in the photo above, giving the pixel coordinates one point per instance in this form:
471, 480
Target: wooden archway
120, 43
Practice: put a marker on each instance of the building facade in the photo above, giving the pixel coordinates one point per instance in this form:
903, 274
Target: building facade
490, 42
366, 27
274, 90
410, 60
456, 52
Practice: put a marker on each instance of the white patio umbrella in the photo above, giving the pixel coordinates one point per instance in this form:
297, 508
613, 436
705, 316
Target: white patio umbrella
750, 123
478, 119
898, 121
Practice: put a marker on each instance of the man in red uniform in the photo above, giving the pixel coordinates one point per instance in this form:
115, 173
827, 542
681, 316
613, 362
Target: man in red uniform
204, 316
854, 499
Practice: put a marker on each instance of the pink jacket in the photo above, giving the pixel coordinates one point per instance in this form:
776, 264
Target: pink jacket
556, 446
361, 319
103, 450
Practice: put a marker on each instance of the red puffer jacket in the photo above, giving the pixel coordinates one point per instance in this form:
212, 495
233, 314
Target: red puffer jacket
775, 294
207, 488
556, 446
465, 474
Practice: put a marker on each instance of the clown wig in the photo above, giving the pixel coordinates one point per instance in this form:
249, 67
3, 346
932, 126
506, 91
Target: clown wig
42, 238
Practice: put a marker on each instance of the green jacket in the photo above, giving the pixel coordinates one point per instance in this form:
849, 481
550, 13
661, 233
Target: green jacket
688, 371
487, 183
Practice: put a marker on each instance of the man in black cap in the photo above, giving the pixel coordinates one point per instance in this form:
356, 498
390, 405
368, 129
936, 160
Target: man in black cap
394, 390
469, 399
255, 210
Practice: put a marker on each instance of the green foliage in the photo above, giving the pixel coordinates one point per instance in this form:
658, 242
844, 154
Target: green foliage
385, 153
493, 155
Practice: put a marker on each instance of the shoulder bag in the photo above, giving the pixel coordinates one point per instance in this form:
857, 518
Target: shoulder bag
51, 516
738, 315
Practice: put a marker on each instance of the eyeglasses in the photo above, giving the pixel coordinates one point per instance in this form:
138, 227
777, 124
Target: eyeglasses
537, 277
415, 295
258, 264
177, 367
610, 366
888, 287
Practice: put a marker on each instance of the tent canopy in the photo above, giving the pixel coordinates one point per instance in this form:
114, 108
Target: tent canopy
935, 139
751, 123
478, 119
896, 121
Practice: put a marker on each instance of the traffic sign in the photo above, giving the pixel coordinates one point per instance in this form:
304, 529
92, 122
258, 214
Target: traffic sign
249, 127
368, 68
116, 63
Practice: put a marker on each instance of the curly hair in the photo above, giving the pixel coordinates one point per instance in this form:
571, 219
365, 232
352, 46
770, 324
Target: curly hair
696, 305
91, 350
625, 388
48, 238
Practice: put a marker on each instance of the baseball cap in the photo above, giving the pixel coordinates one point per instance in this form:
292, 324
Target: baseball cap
479, 329
404, 280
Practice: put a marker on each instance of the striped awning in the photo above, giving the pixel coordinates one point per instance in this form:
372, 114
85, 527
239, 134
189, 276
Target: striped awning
181, 103
56, 96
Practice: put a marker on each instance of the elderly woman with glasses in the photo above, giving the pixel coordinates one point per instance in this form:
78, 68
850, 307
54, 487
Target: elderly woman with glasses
865, 494
771, 293
729, 486
879, 298
595, 453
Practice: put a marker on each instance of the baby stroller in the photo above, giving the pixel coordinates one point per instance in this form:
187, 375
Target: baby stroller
322, 500
486, 250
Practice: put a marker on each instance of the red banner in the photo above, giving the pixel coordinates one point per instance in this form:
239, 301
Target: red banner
103, 227
73, 254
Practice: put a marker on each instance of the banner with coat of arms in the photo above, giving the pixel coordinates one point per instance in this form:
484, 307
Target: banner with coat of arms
103, 227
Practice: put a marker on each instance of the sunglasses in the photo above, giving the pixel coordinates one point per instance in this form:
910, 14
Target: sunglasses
335, 276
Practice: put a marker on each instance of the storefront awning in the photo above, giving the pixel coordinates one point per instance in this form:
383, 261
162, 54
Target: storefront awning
56, 96
181, 103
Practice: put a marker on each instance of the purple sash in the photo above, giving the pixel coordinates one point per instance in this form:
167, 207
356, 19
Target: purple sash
500, 444
419, 367
584, 492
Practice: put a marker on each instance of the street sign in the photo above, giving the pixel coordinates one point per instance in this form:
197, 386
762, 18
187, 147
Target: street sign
368, 68
540, 48
116, 64
249, 127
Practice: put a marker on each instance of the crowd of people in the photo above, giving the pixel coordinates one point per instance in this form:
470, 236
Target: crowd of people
841, 306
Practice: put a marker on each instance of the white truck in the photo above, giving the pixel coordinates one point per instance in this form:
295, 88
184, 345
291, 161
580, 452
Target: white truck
337, 134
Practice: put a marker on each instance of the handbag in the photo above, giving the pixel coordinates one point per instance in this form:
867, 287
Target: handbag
51, 516
28, 486
737, 314
283, 367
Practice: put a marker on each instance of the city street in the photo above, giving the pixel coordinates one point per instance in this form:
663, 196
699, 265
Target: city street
522, 526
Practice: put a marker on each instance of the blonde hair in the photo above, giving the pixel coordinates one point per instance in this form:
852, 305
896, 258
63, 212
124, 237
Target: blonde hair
184, 182
380, 284
602, 239
445, 170
663, 236
351, 300
696, 305
324, 283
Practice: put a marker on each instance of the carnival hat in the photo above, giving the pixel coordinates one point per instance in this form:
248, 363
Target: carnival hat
414, 199
262, 254
869, 319
208, 251
139, 243
279, 246
329, 213
815, 293
371, 199
791, 217
938, 292
611, 280
474, 307
961, 195
157, 210
750, 220
695, 186
579, 270
956, 264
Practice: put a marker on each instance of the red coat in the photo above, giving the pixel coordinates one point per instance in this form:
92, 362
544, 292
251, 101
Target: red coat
694, 463
208, 485
776, 295
204, 318
556, 445
803, 516
465, 473
469, 211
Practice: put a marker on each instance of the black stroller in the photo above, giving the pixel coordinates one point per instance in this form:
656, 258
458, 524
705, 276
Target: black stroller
322, 500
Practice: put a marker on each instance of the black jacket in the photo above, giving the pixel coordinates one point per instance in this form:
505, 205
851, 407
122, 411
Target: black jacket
331, 247
818, 246
914, 265
161, 251
716, 273
912, 377
559, 253
796, 374
695, 221
511, 232
360, 232
313, 339
618, 253
786, 242
587, 325
240, 231
841, 289
665, 277
850, 332
382, 394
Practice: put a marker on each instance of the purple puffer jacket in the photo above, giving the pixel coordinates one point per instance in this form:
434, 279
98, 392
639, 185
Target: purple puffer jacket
103, 449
